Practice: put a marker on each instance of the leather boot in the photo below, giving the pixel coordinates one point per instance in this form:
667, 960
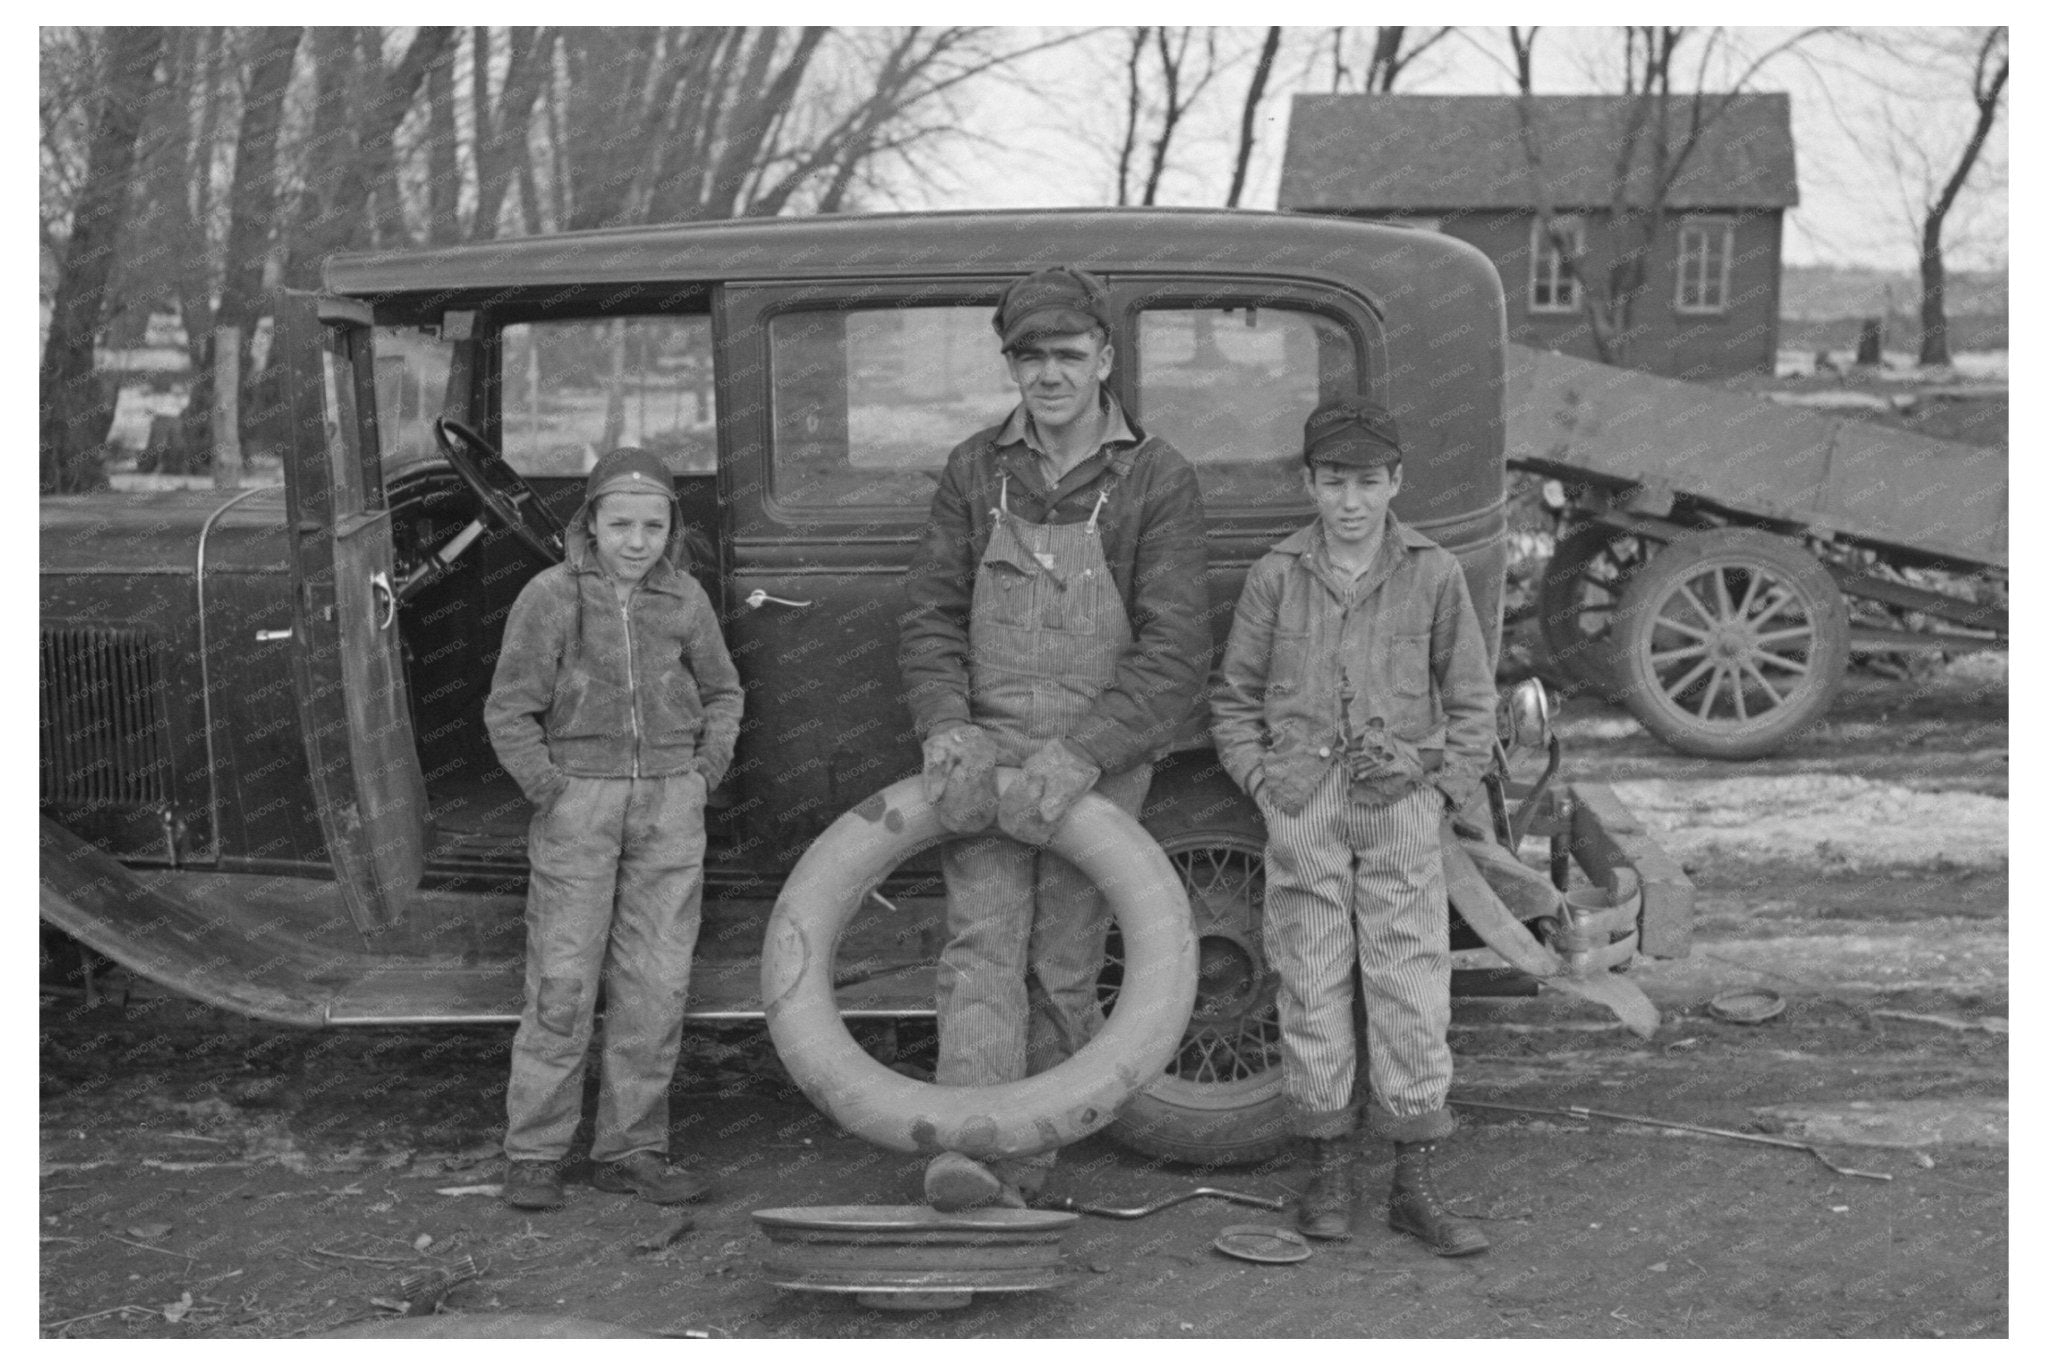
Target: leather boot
1325, 1211
1413, 1206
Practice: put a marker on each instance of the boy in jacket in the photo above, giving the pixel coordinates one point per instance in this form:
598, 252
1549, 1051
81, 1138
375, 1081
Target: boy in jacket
1355, 706
615, 707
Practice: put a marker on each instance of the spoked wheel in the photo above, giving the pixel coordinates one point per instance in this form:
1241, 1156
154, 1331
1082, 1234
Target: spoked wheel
1730, 642
1219, 1102
1576, 600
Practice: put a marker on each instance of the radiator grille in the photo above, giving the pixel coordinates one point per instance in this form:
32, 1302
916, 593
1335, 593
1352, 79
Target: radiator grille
103, 718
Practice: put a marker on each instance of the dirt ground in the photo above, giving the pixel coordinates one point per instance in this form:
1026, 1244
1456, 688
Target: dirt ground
204, 1176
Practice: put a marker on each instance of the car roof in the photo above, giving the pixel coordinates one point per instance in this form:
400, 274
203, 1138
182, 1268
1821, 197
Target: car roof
995, 243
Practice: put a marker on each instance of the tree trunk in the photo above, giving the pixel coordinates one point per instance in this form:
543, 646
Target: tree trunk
1933, 273
501, 155
1933, 295
253, 206
74, 411
444, 175
1247, 128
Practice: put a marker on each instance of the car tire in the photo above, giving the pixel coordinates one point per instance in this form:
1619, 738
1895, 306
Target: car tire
1576, 599
1219, 1101
1738, 606
1018, 1118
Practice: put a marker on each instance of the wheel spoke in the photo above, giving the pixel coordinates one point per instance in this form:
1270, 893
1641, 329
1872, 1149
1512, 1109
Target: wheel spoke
1749, 595
1667, 623
1788, 633
1777, 698
1659, 656
1705, 709
1721, 597
1789, 665
1735, 691
1780, 599
1706, 617
1672, 690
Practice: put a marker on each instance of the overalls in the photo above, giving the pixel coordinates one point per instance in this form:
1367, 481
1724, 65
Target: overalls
1025, 930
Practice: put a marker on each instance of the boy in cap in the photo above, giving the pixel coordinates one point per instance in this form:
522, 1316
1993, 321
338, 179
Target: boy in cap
1355, 706
615, 706
1058, 622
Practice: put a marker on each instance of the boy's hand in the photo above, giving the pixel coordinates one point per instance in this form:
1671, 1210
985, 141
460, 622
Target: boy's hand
960, 777
1051, 781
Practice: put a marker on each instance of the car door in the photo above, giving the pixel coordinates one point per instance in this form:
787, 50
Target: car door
347, 668
839, 402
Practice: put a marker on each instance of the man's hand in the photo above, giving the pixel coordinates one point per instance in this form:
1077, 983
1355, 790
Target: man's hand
960, 777
1047, 787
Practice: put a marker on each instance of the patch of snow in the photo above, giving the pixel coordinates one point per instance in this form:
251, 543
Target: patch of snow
1831, 819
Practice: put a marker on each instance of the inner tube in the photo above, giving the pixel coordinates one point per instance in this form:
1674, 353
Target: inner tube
1017, 1118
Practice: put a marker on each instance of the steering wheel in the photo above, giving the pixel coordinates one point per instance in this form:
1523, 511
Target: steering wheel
507, 498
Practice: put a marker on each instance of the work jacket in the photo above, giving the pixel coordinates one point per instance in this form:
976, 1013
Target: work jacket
1153, 537
588, 686
1405, 638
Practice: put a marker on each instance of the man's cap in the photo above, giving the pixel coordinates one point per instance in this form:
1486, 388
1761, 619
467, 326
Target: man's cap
1351, 432
1060, 301
629, 470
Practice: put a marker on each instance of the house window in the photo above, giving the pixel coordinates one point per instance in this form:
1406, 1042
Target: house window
1552, 289
1706, 250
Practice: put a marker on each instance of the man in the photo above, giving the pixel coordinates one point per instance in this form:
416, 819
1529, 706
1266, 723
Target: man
1058, 622
1355, 706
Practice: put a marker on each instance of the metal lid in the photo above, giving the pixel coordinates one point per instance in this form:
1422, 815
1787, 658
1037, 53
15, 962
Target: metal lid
1749, 1005
1262, 1242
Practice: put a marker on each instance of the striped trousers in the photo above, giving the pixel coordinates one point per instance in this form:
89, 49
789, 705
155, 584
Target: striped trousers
1346, 884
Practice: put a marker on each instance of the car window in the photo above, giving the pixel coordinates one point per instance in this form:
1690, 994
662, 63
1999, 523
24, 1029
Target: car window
573, 390
1231, 386
868, 402
412, 390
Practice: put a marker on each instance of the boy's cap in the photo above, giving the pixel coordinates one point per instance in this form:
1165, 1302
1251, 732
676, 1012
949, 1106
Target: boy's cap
1059, 301
629, 470
1350, 432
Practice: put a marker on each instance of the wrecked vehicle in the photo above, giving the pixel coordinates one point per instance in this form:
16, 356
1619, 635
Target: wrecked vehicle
265, 777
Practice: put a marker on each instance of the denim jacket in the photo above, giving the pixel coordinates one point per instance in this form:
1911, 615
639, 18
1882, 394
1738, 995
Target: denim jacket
589, 687
1404, 636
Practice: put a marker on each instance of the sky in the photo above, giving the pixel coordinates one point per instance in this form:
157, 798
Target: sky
1045, 132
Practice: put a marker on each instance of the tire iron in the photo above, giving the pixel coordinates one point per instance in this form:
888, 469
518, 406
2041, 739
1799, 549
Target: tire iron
1579, 1111
1143, 1210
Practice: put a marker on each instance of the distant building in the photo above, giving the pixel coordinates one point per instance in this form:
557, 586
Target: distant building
1456, 164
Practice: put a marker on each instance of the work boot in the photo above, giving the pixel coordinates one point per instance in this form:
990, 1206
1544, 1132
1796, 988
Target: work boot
1413, 1206
533, 1185
954, 1181
1325, 1211
652, 1178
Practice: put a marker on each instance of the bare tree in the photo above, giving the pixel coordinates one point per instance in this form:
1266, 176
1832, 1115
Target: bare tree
1992, 64
1162, 85
1394, 48
1662, 121
501, 127
75, 412
1248, 124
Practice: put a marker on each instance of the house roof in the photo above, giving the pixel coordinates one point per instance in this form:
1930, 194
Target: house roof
1437, 153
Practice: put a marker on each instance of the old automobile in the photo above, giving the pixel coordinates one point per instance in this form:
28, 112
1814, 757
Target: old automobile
265, 781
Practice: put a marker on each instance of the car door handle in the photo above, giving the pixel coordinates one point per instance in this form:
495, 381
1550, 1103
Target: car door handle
760, 598
380, 589
264, 637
